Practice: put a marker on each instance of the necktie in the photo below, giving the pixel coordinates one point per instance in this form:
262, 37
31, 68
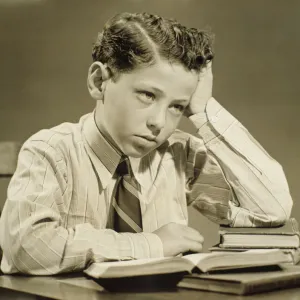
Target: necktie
125, 203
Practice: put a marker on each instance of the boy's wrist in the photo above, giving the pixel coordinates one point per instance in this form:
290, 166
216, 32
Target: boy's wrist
198, 119
155, 245
143, 245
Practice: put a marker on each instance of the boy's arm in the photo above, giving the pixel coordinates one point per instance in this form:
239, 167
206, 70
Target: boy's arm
240, 183
33, 232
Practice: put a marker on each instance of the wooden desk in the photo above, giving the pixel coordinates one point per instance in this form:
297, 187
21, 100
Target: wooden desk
77, 287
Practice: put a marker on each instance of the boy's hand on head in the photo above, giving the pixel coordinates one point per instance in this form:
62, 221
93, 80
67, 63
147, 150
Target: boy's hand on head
202, 93
177, 238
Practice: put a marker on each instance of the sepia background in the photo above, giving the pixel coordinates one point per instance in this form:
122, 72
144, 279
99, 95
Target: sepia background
45, 51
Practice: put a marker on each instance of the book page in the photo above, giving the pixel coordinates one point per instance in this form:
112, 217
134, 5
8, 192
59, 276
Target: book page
101, 268
126, 263
197, 258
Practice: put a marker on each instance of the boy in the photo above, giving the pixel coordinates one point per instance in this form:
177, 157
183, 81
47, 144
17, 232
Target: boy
117, 184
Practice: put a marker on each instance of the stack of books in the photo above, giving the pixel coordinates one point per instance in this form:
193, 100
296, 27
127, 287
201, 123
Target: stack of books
284, 238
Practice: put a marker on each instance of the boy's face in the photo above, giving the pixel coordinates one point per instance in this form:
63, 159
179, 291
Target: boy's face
143, 108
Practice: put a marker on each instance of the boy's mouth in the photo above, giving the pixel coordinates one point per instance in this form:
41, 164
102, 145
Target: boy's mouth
149, 138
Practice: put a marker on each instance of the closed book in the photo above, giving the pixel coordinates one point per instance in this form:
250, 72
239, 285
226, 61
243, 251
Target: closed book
293, 253
286, 236
243, 283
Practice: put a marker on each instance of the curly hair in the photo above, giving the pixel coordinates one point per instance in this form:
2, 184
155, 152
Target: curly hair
129, 40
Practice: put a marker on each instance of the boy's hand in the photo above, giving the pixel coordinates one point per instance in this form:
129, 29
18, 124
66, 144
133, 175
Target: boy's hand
177, 238
202, 93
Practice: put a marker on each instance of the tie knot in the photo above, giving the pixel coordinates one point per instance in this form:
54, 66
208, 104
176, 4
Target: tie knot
123, 167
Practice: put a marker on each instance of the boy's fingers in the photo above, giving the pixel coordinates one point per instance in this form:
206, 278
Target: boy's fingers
193, 246
207, 70
195, 237
193, 234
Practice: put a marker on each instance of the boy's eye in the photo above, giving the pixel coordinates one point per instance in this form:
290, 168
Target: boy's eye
146, 96
178, 109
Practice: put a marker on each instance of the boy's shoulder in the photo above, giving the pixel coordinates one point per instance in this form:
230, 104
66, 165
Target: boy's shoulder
59, 136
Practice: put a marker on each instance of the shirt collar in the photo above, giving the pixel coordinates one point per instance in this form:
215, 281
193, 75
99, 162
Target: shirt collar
103, 155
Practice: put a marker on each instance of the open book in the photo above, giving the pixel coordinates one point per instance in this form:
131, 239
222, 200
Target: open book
198, 263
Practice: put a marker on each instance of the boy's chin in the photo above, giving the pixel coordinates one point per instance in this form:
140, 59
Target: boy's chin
136, 153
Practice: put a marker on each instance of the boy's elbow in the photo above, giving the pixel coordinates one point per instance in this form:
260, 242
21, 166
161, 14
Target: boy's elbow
279, 219
26, 260
283, 199
282, 212
22, 261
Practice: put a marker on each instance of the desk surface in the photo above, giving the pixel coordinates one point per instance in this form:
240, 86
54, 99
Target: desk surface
77, 287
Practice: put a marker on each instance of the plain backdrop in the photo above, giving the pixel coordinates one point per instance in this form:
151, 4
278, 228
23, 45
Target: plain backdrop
45, 51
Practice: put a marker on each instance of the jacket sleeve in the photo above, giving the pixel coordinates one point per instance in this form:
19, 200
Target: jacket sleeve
239, 183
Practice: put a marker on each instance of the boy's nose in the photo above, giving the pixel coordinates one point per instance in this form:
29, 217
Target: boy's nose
156, 122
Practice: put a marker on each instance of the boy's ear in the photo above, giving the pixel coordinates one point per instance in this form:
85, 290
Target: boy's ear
97, 75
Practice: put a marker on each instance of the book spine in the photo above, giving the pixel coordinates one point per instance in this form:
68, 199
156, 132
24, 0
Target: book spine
211, 287
249, 247
275, 284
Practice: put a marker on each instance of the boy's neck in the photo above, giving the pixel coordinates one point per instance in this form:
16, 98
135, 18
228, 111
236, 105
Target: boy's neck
108, 138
